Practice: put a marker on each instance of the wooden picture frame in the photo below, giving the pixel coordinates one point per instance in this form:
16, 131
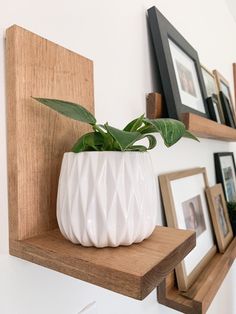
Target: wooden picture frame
224, 87
219, 216
179, 68
212, 91
177, 190
226, 174
209, 81
227, 110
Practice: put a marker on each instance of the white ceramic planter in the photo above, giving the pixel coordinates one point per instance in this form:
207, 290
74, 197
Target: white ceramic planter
106, 198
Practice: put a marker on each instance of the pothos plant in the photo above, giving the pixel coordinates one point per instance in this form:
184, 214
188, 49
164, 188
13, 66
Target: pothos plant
105, 137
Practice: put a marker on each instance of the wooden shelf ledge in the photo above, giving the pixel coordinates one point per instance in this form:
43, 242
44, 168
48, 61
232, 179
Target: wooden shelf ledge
133, 271
199, 297
206, 128
198, 125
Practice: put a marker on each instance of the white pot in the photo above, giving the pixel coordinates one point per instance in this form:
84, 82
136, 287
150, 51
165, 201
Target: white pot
106, 198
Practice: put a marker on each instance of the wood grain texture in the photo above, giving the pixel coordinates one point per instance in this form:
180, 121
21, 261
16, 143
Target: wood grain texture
154, 106
206, 128
199, 297
133, 271
37, 136
37, 139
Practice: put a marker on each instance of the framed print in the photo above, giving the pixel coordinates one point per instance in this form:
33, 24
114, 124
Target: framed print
227, 110
226, 174
179, 68
209, 81
185, 204
223, 86
213, 108
234, 74
212, 91
219, 216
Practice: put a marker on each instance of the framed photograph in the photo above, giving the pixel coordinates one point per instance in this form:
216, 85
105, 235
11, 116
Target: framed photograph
223, 86
226, 174
219, 216
209, 81
234, 74
185, 204
224, 89
228, 113
179, 68
212, 91
213, 108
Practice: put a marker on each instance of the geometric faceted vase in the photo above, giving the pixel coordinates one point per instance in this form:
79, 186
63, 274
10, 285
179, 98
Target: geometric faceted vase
106, 198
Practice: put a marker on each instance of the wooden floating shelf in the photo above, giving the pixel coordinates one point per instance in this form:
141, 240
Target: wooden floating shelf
37, 139
133, 271
206, 128
199, 297
198, 125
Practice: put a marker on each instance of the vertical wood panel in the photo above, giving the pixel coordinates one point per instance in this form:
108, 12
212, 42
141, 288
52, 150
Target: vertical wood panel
37, 136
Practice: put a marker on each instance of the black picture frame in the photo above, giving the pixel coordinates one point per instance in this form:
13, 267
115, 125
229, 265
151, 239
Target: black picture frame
213, 108
230, 186
227, 110
162, 30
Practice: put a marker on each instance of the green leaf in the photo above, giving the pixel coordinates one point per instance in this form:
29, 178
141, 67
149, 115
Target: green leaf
137, 148
123, 138
148, 129
68, 109
170, 130
88, 142
152, 140
189, 135
135, 124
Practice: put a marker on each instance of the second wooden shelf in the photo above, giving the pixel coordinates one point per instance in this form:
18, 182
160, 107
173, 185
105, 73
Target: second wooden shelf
198, 125
206, 128
199, 297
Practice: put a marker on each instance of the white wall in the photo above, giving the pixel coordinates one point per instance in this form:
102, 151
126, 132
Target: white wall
114, 35
232, 7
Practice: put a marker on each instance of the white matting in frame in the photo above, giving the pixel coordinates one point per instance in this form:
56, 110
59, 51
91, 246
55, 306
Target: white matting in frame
205, 240
183, 195
187, 79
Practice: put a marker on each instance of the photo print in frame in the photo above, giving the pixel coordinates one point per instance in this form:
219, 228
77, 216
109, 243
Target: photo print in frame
179, 67
219, 216
213, 101
223, 86
209, 81
226, 174
185, 205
